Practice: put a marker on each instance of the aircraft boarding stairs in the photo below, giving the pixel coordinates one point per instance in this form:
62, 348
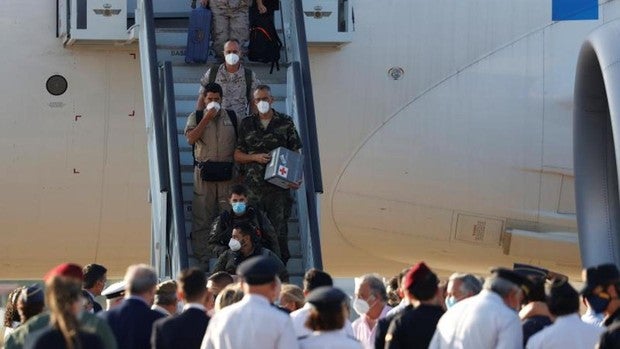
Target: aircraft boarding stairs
170, 41
171, 37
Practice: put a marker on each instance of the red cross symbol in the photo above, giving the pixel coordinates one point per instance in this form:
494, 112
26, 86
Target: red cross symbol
283, 171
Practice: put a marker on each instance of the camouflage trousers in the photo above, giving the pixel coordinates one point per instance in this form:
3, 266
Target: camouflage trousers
210, 199
230, 24
277, 207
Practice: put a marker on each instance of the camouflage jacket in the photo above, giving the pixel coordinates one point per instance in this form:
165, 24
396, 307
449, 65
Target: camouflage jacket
253, 139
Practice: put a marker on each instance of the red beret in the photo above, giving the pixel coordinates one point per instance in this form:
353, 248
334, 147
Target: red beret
67, 270
417, 273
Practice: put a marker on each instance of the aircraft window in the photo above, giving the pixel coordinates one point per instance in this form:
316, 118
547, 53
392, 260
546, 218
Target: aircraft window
56, 85
396, 73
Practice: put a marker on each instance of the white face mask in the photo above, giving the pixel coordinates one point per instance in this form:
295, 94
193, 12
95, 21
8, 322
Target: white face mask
360, 306
212, 105
231, 58
263, 107
234, 245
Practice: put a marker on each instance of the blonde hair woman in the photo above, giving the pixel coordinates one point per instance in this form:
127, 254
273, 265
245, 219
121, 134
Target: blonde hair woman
231, 294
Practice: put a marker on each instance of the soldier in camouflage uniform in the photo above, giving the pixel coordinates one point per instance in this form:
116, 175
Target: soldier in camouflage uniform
259, 134
233, 79
231, 19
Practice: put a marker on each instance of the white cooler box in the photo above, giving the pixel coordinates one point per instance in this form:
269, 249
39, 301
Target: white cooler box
285, 167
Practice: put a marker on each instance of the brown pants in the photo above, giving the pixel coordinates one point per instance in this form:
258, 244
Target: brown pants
210, 199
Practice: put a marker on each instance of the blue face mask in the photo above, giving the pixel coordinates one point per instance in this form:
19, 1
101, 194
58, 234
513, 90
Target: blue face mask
450, 302
238, 207
598, 304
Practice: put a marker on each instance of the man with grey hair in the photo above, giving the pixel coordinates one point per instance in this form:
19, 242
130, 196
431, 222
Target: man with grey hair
133, 319
166, 300
371, 305
487, 320
461, 286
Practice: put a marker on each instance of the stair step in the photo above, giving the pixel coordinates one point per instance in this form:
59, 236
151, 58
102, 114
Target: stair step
295, 266
296, 280
171, 37
190, 90
188, 106
192, 73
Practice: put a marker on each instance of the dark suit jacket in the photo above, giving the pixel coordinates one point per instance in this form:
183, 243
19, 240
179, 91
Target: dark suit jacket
383, 325
413, 328
185, 330
96, 306
131, 322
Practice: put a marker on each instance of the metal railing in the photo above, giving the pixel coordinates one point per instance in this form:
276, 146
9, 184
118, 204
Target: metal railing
168, 238
299, 93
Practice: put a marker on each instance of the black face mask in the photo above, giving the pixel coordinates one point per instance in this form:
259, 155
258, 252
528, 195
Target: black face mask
598, 303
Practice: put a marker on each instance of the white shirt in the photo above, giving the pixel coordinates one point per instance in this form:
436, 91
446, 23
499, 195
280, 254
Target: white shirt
401, 306
363, 333
159, 309
329, 340
300, 316
194, 306
250, 323
596, 319
482, 321
565, 333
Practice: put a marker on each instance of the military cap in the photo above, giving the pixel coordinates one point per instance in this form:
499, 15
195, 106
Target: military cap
115, 290
258, 270
67, 270
530, 270
32, 294
326, 298
509, 275
419, 273
600, 275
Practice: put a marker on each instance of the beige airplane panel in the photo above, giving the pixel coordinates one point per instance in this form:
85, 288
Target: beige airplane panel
473, 140
74, 178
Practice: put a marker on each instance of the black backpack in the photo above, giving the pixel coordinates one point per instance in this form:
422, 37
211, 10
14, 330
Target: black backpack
265, 45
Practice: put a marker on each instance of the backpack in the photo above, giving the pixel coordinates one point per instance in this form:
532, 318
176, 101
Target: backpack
265, 45
200, 113
248, 81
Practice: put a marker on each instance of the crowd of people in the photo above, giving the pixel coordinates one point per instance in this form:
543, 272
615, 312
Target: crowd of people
523, 307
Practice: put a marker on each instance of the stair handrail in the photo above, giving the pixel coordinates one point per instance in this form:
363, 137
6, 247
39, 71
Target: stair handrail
177, 248
302, 102
168, 242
